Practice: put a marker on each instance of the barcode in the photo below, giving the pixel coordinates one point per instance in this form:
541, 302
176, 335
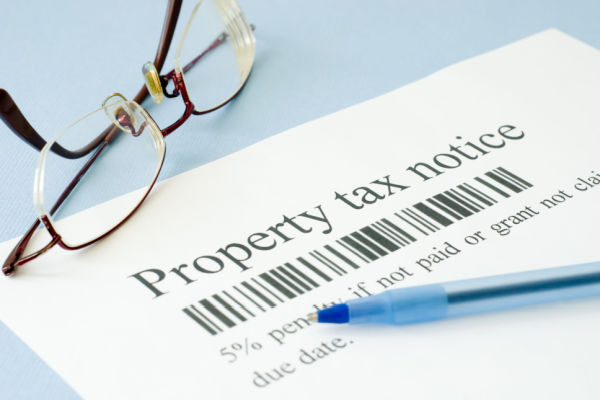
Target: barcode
252, 297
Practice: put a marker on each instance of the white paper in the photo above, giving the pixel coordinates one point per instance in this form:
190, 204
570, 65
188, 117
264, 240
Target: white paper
110, 337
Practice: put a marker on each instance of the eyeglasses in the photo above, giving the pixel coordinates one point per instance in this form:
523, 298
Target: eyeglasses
120, 143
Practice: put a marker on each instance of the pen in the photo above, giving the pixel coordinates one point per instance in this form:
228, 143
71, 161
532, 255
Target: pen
471, 296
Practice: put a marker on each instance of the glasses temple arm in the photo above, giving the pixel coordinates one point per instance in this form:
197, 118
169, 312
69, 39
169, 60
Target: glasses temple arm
166, 37
18, 124
220, 39
16, 121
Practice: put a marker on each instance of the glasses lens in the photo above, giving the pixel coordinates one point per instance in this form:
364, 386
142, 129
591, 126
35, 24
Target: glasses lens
216, 53
131, 159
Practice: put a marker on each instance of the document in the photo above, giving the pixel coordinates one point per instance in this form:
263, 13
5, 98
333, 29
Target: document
487, 167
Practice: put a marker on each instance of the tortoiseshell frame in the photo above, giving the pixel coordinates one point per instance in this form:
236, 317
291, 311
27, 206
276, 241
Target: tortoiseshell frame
14, 119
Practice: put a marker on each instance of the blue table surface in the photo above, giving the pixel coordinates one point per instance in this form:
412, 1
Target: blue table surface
61, 58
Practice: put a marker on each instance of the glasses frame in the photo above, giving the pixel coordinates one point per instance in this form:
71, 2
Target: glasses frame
18, 124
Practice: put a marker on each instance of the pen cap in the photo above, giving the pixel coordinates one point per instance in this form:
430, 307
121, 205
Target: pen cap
401, 306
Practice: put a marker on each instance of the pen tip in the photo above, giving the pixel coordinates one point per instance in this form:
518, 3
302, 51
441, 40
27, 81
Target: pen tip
313, 317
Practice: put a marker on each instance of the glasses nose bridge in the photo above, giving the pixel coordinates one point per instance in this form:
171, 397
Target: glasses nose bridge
122, 117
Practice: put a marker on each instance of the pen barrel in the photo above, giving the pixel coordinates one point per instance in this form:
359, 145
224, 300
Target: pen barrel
478, 295
520, 289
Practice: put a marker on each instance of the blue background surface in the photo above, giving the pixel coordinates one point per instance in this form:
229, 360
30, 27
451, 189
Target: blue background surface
60, 59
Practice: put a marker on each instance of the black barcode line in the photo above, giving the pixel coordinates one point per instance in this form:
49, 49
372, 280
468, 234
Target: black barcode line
261, 308
360, 248
323, 263
266, 289
474, 195
503, 181
427, 219
258, 294
457, 208
426, 222
342, 257
369, 243
285, 282
351, 250
474, 205
489, 199
330, 260
205, 318
405, 235
200, 316
291, 277
198, 320
389, 234
386, 227
510, 179
411, 224
482, 190
277, 286
379, 239
444, 209
229, 307
210, 307
314, 269
243, 307
302, 275
490, 186
472, 209
330, 263
431, 213
523, 181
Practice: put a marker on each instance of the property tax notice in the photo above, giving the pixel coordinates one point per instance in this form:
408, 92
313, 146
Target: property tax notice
486, 167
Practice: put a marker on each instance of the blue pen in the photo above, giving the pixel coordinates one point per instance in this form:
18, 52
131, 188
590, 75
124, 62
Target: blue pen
452, 299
